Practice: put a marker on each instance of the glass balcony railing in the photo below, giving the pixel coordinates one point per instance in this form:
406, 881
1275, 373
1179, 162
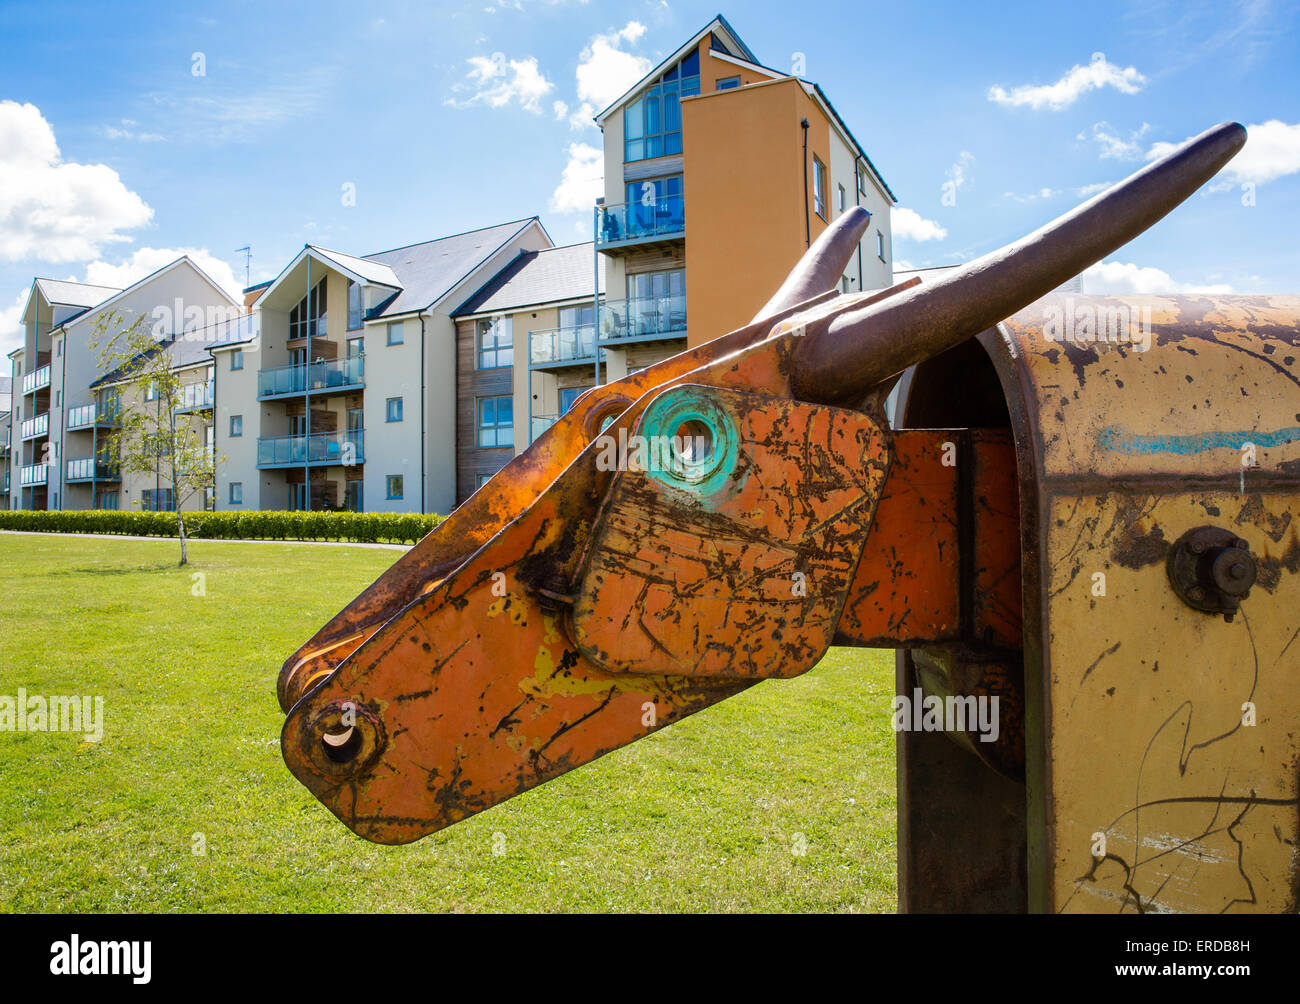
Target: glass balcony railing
643, 317
5, 483
91, 469
37, 379
557, 345
196, 396
346, 448
337, 374
633, 222
89, 415
539, 424
36, 426
33, 475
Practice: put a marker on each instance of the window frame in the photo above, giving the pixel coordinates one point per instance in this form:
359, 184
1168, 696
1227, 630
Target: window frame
497, 327
400, 327
236, 432
497, 426
388, 409
819, 187
727, 83
880, 246
236, 493
400, 481
360, 307
237, 359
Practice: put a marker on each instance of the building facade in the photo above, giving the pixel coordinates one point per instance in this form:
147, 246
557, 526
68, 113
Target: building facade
402, 380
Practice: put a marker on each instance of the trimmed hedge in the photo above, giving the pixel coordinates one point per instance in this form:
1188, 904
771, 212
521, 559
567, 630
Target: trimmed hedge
359, 527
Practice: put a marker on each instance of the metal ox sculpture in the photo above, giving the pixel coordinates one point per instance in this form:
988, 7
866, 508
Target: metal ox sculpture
1059, 520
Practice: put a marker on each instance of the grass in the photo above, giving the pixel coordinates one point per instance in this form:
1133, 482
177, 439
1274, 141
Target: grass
704, 816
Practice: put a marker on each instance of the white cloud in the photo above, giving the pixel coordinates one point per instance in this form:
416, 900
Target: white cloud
11, 327
1077, 81
606, 70
1042, 193
561, 110
1115, 146
1272, 151
207, 114
582, 182
497, 81
1125, 277
129, 129
912, 226
51, 209
1094, 188
146, 261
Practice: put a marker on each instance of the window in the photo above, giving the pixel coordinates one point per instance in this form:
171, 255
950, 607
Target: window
862, 178
157, 500
297, 425
356, 305
297, 497
108, 500
655, 305
352, 496
496, 423
844, 284
495, 339
880, 245
844, 199
151, 392
394, 409
819, 187
395, 486
568, 396
652, 124
236, 426
58, 348
237, 359
236, 493
395, 334
481, 480
308, 317
58, 396
727, 83
654, 206
356, 348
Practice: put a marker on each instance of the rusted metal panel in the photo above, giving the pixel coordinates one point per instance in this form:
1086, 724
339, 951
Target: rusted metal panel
737, 564
1163, 758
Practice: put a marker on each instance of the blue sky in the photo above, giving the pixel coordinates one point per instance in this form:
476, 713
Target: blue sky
132, 132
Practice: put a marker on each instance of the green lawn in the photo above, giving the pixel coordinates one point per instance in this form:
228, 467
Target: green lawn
706, 815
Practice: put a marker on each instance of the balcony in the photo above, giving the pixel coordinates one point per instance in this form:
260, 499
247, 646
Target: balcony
33, 476
324, 377
539, 424
91, 469
346, 448
37, 379
562, 346
644, 318
6, 441
626, 225
196, 397
88, 416
36, 427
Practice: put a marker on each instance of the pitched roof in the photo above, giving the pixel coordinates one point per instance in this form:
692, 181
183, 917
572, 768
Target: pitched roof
536, 277
429, 271
362, 268
73, 294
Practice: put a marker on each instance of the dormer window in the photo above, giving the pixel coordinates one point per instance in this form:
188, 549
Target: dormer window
652, 124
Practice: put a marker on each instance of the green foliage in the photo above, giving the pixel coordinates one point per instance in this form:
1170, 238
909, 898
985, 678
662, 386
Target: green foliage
358, 527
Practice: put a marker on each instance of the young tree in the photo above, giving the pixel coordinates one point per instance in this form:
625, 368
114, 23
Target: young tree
151, 438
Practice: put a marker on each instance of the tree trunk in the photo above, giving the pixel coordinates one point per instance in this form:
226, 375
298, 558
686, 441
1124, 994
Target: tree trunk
180, 531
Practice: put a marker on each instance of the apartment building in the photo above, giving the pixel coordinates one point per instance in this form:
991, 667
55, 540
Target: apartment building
66, 407
402, 380
525, 350
719, 173
346, 399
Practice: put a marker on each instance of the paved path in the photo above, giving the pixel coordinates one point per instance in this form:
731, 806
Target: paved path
207, 540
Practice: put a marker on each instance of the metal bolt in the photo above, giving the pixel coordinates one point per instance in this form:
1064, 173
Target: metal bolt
1197, 547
